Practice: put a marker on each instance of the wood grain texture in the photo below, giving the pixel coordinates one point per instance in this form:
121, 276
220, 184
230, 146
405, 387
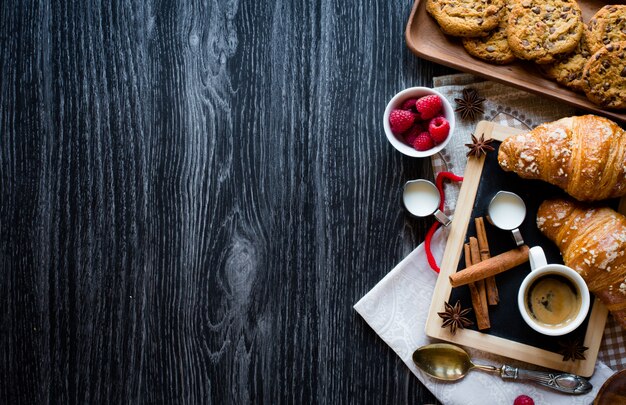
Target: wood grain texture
194, 194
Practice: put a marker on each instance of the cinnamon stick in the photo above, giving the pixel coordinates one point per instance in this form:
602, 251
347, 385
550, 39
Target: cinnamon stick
474, 250
480, 284
482, 312
490, 267
467, 254
483, 244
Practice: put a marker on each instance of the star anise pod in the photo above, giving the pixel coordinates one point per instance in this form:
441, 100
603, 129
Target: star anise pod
479, 147
572, 350
454, 317
470, 105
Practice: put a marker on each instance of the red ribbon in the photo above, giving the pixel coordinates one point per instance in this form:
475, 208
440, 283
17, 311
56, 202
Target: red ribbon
429, 235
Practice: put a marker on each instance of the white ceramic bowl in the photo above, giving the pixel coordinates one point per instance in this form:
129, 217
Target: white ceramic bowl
396, 102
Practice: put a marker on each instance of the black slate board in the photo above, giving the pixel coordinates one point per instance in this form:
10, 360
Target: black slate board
506, 321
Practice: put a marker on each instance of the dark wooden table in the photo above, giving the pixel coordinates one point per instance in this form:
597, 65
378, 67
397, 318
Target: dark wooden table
194, 194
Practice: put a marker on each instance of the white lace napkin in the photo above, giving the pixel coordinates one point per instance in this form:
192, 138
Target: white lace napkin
397, 307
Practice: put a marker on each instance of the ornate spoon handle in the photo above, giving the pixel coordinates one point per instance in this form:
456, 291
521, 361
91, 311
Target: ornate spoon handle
564, 382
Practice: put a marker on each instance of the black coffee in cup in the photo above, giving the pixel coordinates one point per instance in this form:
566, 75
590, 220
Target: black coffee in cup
553, 300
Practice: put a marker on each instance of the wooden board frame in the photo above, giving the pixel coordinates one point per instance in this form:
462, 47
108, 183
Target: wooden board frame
451, 257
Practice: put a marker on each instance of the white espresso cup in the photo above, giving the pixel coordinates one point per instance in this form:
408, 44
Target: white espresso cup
553, 299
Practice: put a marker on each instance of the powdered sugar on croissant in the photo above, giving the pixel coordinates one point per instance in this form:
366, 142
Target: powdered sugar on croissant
585, 156
592, 241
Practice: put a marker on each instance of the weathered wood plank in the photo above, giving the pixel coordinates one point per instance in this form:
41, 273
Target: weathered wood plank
194, 195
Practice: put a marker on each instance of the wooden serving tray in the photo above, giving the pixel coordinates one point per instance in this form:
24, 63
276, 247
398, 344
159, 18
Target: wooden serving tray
425, 39
509, 335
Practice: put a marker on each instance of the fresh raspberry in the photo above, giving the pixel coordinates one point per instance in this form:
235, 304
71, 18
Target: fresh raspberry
428, 106
524, 400
423, 142
409, 105
412, 133
400, 121
439, 128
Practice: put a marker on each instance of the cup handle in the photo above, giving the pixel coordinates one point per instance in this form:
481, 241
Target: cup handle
537, 258
443, 218
519, 241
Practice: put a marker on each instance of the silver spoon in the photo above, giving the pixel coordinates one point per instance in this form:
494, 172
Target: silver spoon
450, 363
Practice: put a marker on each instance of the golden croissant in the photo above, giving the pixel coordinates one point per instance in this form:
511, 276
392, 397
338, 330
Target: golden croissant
585, 156
592, 241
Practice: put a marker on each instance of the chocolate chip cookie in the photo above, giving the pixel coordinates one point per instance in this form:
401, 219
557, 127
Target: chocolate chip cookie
606, 26
493, 48
569, 70
605, 76
541, 30
466, 18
